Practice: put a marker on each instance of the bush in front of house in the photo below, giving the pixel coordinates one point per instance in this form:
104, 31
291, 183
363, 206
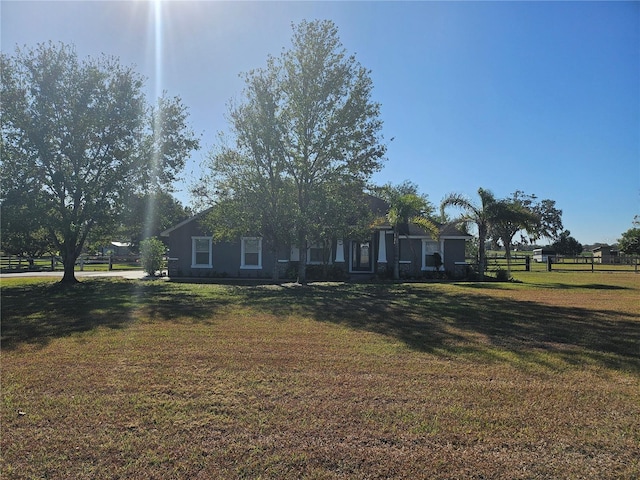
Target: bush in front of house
152, 253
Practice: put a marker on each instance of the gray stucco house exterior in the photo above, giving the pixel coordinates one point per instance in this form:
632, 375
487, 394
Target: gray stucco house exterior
193, 253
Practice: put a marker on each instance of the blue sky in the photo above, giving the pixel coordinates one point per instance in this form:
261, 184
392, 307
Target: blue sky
542, 97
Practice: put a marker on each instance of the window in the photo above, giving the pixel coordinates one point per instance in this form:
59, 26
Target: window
201, 252
429, 250
407, 250
318, 253
251, 254
361, 259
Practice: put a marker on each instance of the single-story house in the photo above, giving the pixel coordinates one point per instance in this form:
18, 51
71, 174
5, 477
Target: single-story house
193, 253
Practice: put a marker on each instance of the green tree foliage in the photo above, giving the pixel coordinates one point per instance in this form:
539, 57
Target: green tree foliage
250, 196
524, 213
22, 233
629, 242
480, 214
406, 206
501, 219
567, 245
307, 142
165, 145
147, 214
549, 223
79, 136
152, 253
510, 216
329, 125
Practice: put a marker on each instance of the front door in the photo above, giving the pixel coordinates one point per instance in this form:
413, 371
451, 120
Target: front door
361, 256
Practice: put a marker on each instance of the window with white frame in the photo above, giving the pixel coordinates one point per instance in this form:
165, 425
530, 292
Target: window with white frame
251, 253
201, 252
407, 250
429, 250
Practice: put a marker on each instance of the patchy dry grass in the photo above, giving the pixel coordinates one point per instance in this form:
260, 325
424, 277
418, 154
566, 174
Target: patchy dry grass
119, 379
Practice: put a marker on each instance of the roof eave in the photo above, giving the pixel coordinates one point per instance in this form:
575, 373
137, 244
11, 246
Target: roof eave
168, 231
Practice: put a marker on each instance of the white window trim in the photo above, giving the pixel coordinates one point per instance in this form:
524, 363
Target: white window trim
424, 253
339, 251
193, 253
243, 266
382, 247
351, 269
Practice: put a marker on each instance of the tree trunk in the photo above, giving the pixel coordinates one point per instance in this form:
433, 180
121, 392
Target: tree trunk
482, 235
302, 264
69, 254
396, 255
69, 277
276, 271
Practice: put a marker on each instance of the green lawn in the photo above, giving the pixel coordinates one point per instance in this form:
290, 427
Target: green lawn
539, 378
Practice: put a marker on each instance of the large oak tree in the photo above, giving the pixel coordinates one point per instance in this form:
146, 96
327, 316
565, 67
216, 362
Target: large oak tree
629, 242
524, 213
78, 135
307, 142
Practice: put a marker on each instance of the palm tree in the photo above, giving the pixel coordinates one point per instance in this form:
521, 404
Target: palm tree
481, 215
511, 216
406, 206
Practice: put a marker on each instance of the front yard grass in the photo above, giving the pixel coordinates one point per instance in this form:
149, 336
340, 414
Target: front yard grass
140, 379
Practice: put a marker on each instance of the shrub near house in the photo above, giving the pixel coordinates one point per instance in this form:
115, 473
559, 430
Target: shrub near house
152, 253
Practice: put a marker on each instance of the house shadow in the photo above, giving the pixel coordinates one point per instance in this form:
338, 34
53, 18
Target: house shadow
429, 320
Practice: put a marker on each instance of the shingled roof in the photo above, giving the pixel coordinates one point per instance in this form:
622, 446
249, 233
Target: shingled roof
380, 208
447, 230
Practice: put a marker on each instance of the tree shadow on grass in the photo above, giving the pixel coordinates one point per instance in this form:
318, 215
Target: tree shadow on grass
429, 320
425, 318
38, 313
553, 286
588, 286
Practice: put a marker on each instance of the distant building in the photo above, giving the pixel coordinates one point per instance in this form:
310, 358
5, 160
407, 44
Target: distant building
542, 254
605, 254
118, 249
